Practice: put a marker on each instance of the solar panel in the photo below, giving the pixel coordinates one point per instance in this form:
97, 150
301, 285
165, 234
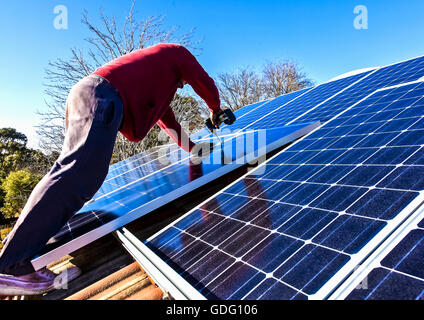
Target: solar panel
145, 163
266, 109
399, 274
391, 75
296, 230
308, 102
135, 196
305, 184
394, 271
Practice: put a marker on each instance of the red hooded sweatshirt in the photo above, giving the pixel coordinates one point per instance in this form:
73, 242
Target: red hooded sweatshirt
147, 80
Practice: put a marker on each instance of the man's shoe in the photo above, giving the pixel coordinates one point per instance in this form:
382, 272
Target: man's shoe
36, 283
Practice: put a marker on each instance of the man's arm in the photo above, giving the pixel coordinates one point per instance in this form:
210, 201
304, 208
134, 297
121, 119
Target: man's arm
193, 73
174, 130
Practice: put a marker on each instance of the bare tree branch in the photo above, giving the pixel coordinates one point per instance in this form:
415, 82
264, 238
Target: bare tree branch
239, 88
245, 86
284, 76
107, 41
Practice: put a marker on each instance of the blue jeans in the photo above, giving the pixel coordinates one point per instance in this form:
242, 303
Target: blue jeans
94, 113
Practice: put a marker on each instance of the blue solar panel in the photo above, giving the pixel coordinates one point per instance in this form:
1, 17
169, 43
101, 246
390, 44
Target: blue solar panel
265, 110
307, 103
139, 166
327, 198
398, 73
242, 112
397, 274
137, 194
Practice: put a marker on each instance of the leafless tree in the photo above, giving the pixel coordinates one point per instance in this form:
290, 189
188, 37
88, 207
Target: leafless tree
108, 41
240, 88
246, 86
281, 77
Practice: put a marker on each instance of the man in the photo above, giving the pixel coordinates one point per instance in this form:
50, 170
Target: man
130, 95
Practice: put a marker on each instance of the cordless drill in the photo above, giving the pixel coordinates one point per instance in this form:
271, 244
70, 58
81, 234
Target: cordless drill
227, 116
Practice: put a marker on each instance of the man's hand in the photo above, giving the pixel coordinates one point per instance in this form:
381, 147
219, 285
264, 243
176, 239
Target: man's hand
215, 118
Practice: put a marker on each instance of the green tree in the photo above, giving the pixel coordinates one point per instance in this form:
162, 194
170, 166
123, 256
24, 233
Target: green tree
15, 156
17, 187
13, 150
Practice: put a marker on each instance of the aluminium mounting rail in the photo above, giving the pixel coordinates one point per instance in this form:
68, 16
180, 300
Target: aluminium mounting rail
169, 281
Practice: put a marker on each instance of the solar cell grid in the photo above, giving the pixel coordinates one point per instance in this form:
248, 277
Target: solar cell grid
135, 197
332, 192
142, 156
398, 73
138, 167
305, 103
397, 274
263, 111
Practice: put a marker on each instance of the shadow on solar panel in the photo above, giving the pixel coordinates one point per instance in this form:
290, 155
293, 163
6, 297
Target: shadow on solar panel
299, 226
134, 190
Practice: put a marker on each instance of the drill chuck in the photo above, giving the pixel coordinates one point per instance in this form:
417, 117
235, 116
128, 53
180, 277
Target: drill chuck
227, 117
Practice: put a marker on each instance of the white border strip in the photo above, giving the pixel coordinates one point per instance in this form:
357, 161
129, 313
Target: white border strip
163, 275
358, 258
374, 259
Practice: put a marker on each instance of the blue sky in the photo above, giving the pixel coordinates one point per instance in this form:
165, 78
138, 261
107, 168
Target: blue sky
319, 35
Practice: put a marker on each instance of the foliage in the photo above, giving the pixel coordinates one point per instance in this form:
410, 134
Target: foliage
13, 151
2, 194
15, 156
17, 187
3, 234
